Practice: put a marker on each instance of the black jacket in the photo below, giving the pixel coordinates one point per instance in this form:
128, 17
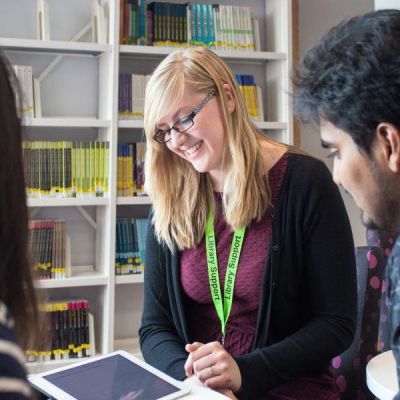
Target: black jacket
308, 299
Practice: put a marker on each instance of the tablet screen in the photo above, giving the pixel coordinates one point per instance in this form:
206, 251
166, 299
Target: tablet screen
113, 377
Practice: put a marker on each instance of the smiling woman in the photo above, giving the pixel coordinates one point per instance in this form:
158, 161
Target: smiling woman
243, 290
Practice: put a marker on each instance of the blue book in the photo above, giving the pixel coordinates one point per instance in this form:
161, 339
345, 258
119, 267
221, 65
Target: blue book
210, 26
118, 248
142, 22
141, 226
195, 31
202, 27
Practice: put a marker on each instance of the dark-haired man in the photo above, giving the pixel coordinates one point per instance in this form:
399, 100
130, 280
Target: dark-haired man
349, 83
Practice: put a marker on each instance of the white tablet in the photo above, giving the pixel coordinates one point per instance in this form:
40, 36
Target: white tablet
115, 376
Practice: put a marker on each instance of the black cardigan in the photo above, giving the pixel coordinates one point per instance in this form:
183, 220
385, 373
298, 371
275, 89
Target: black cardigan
308, 296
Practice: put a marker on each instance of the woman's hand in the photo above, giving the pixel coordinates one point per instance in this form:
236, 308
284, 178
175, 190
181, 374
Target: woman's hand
213, 366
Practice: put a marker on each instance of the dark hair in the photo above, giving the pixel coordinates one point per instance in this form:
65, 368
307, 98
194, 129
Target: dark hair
16, 286
351, 78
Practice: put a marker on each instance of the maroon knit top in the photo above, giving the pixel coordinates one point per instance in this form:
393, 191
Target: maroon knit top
203, 323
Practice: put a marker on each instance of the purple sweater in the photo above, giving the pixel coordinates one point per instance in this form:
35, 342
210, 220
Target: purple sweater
203, 323
308, 294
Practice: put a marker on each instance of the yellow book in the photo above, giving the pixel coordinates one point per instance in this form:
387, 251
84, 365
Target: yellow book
106, 166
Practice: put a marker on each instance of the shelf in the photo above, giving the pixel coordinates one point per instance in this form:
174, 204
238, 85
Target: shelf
78, 279
69, 202
138, 124
54, 47
131, 123
136, 200
36, 367
67, 122
127, 50
271, 125
128, 279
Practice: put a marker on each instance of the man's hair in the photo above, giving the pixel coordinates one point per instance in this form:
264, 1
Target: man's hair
351, 78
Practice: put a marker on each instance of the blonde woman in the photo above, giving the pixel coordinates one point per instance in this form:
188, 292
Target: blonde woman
250, 281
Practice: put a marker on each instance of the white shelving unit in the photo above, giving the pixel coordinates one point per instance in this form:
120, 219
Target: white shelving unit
134, 201
83, 279
127, 279
54, 47
65, 122
138, 124
79, 102
71, 202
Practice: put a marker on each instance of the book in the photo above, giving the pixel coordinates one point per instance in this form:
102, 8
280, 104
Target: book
256, 34
37, 98
99, 21
66, 169
260, 104
25, 105
67, 331
215, 26
47, 241
130, 245
250, 94
42, 20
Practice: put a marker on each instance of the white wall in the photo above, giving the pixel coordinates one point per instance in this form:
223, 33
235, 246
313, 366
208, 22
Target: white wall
380, 4
316, 17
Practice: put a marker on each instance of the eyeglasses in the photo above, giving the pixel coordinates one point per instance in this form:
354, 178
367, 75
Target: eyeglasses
184, 124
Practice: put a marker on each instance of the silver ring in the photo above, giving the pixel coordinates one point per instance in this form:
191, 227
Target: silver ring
210, 374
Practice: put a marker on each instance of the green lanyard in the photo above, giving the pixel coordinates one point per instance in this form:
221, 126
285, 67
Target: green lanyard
223, 308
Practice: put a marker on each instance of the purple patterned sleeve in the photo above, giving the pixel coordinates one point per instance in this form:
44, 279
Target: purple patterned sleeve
393, 271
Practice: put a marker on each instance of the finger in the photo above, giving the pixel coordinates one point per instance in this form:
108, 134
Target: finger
217, 383
205, 374
205, 350
190, 347
193, 346
203, 364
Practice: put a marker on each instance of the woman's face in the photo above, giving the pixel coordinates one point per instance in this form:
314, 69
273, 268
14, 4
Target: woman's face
202, 145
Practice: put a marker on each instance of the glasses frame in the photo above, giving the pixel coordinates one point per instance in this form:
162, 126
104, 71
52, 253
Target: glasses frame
161, 132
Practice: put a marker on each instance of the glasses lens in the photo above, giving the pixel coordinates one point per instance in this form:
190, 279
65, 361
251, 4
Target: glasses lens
184, 124
161, 136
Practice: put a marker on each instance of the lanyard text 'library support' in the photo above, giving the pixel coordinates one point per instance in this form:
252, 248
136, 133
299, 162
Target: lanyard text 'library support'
223, 307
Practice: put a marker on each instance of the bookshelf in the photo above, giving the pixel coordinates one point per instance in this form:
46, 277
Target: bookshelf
77, 280
65, 122
266, 125
79, 101
53, 47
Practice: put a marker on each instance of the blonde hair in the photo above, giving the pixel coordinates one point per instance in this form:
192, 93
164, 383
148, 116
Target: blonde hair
181, 196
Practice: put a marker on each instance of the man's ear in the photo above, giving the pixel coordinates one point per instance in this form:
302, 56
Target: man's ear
388, 145
230, 98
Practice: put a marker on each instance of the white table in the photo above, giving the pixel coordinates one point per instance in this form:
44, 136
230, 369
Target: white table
382, 376
199, 393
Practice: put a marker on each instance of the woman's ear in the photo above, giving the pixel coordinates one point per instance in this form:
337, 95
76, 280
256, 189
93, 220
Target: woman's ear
230, 98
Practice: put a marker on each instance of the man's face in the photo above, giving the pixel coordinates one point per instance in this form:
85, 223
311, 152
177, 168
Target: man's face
374, 188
